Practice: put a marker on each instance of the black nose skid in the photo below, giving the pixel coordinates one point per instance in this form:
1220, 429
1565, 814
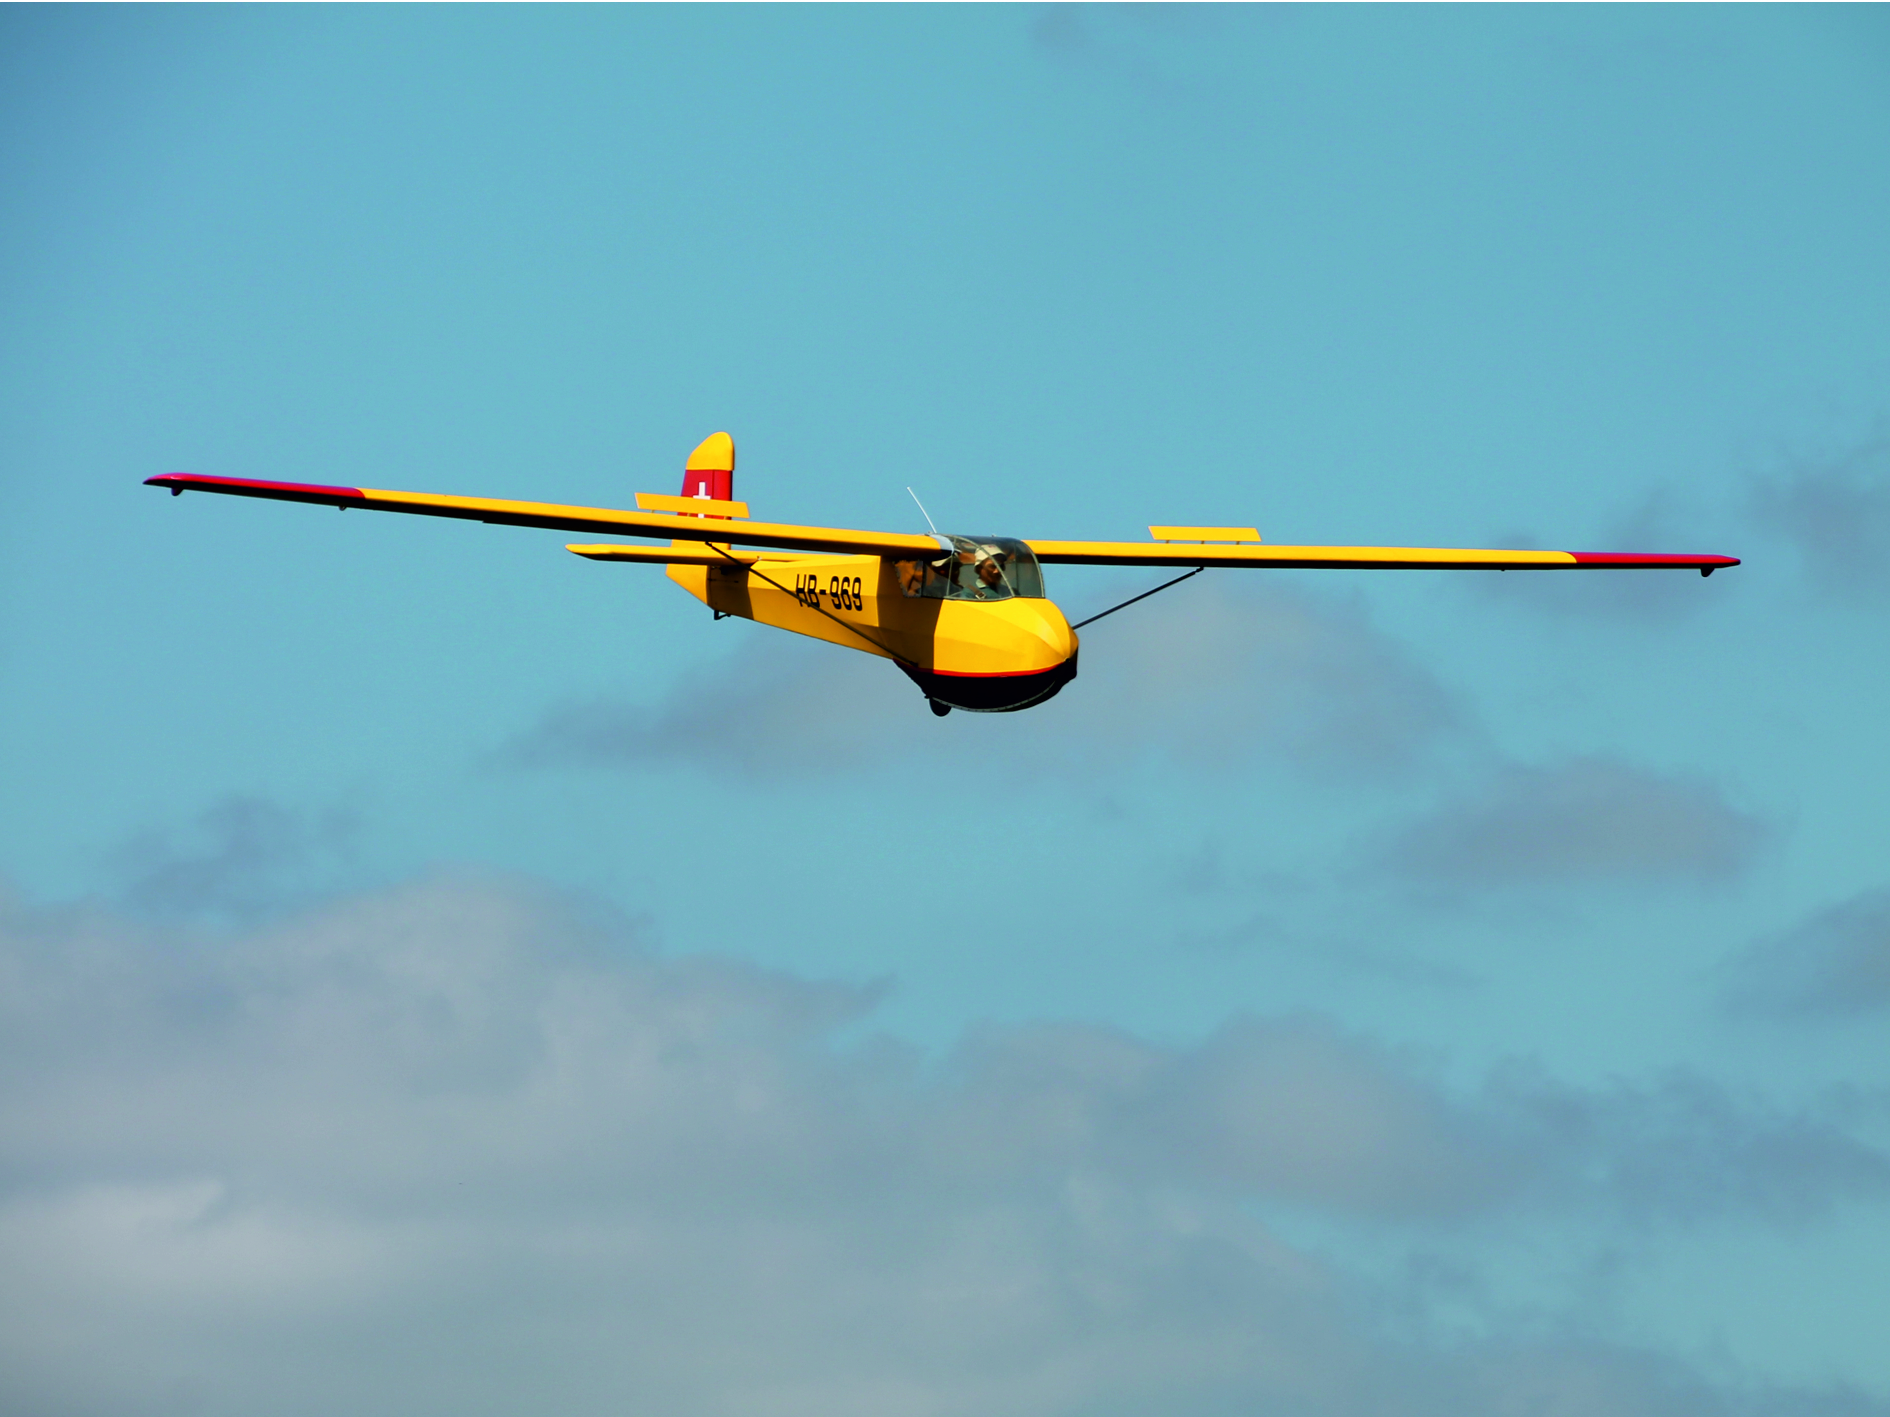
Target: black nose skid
990, 693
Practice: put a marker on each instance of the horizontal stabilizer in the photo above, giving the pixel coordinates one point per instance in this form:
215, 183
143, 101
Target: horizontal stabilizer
690, 506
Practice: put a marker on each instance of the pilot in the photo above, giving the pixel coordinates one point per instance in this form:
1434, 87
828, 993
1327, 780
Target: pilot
991, 572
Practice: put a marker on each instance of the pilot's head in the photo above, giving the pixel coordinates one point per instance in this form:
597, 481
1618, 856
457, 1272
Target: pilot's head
990, 572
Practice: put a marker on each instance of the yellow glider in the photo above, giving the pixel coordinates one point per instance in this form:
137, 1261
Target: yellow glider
965, 617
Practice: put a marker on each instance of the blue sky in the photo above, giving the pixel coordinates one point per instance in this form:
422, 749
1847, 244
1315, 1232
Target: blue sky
1469, 988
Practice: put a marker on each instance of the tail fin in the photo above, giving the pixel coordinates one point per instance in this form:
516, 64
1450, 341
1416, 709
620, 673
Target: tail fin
711, 469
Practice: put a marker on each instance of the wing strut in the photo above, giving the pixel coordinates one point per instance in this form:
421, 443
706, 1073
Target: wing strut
1143, 596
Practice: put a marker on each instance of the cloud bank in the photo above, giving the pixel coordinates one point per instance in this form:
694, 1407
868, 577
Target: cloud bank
1836, 514
1211, 673
1834, 965
241, 858
453, 1148
1585, 820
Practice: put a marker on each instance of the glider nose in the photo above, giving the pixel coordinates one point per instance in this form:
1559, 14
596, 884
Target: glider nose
1059, 640
998, 656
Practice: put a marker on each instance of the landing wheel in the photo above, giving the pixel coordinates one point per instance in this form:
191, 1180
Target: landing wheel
938, 709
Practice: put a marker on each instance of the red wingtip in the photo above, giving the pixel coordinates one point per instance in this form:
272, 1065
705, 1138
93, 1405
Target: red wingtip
1652, 560
255, 487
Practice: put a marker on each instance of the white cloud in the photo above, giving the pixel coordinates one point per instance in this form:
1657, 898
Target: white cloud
455, 1149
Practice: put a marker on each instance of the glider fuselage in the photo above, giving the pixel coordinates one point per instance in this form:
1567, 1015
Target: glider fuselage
988, 656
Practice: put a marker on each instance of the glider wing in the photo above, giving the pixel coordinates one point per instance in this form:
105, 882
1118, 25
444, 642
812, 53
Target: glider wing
1180, 553
1174, 546
775, 535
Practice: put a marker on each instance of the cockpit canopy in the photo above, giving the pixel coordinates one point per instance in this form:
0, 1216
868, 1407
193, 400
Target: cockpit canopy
973, 568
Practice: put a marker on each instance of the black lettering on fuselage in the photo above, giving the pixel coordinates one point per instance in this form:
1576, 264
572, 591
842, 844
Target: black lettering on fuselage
842, 592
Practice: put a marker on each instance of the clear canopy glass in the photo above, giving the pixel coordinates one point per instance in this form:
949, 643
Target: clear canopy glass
975, 568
